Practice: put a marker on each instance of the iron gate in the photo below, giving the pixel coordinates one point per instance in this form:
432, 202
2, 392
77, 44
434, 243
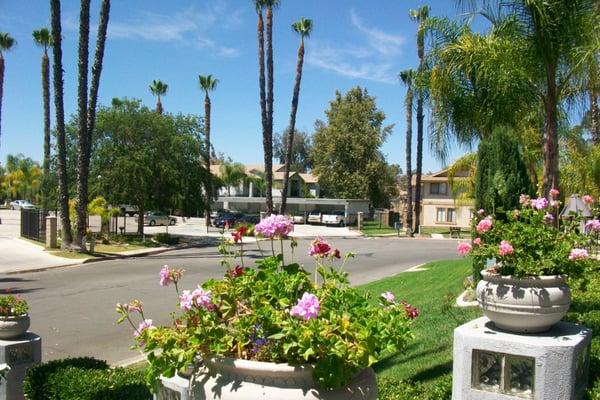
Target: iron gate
33, 225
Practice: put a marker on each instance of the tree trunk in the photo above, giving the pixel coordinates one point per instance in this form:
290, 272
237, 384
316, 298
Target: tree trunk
292, 127
46, 103
1, 91
209, 193
159, 107
419, 161
63, 187
551, 173
269, 139
140, 227
595, 118
97, 69
82, 135
409, 193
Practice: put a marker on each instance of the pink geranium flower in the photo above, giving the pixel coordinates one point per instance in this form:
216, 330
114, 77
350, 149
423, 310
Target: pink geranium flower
593, 225
578, 254
548, 218
145, 324
186, 300
481, 211
524, 200
477, 241
319, 248
587, 199
464, 248
540, 203
554, 193
168, 275
389, 297
274, 226
505, 248
203, 298
307, 307
484, 225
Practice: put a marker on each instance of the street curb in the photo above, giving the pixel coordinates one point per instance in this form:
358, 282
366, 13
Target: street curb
98, 259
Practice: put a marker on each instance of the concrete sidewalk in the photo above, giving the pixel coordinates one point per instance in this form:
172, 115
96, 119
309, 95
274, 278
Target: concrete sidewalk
18, 255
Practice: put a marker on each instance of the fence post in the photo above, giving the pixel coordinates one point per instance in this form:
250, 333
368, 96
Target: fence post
51, 232
359, 220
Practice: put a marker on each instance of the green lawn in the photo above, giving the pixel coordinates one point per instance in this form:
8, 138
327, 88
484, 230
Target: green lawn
372, 228
428, 230
429, 355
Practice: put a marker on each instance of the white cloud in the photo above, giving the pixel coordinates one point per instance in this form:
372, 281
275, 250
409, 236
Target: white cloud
374, 60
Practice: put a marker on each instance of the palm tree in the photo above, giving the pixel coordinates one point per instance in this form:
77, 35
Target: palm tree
87, 106
408, 77
6, 43
303, 28
232, 174
63, 184
419, 15
158, 88
208, 84
43, 39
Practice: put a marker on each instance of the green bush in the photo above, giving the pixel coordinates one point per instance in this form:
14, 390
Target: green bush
35, 385
593, 393
83, 379
167, 239
394, 389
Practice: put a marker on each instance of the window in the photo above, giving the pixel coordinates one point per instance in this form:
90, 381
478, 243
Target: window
445, 215
503, 373
438, 188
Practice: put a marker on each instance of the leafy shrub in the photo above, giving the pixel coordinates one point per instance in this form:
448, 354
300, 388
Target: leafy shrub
167, 239
593, 393
394, 389
93, 384
36, 383
13, 306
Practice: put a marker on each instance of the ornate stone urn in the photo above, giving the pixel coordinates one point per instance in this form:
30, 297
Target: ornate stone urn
12, 327
234, 379
523, 305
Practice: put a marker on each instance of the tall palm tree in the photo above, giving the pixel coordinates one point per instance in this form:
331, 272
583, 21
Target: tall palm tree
303, 28
87, 106
42, 38
593, 95
232, 174
208, 84
408, 77
6, 43
419, 15
63, 184
159, 88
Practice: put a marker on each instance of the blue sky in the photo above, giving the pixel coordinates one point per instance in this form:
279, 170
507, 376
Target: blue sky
353, 43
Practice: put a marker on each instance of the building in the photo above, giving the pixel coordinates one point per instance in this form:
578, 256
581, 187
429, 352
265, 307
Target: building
438, 207
302, 185
304, 194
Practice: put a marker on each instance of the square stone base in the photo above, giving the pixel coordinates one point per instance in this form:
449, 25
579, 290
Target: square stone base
559, 361
19, 354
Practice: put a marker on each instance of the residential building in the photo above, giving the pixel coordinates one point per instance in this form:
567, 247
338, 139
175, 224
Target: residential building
438, 206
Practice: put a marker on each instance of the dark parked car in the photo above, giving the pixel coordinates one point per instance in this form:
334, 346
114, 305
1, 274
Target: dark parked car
226, 219
249, 219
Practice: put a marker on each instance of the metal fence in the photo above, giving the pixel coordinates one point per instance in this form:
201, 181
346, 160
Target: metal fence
33, 225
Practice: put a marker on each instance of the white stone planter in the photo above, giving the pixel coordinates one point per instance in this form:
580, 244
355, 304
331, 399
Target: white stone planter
233, 379
14, 326
524, 305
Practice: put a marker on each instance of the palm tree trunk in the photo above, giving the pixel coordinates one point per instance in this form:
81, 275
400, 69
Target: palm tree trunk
595, 118
140, 227
159, 107
409, 193
63, 187
268, 141
209, 177
292, 127
419, 162
263, 107
1, 90
97, 68
551, 172
46, 102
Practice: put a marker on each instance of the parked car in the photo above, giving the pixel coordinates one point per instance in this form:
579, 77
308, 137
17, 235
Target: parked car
157, 218
334, 218
315, 217
249, 219
298, 219
230, 219
129, 209
21, 205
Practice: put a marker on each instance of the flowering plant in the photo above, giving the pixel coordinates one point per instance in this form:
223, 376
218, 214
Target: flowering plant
11, 306
276, 312
528, 242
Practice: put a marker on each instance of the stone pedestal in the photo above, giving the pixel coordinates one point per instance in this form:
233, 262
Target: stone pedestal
19, 354
175, 388
490, 364
51, 232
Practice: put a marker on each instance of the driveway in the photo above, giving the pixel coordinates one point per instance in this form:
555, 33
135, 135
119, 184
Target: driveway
73, 309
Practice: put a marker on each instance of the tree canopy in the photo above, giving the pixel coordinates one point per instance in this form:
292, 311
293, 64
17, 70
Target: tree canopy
347, 149
301, 150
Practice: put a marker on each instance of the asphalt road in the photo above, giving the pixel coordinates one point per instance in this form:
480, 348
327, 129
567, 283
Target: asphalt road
73, 308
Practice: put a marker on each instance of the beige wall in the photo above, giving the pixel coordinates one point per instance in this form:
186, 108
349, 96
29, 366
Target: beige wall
433, 202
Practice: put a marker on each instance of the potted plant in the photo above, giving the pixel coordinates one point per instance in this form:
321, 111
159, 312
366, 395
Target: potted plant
14, 319
525, 287
275, 331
